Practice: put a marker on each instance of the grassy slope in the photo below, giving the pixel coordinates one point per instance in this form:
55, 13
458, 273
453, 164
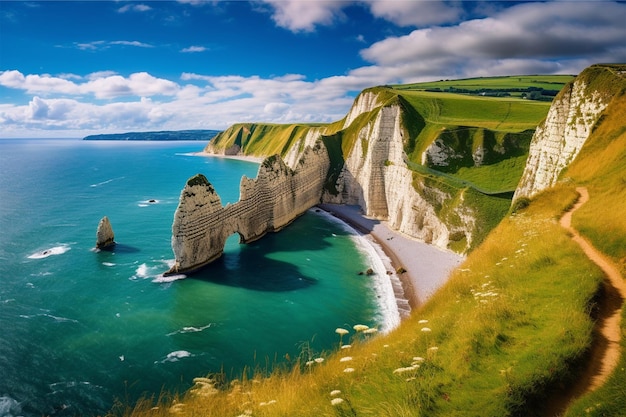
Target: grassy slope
601, 167
508, 323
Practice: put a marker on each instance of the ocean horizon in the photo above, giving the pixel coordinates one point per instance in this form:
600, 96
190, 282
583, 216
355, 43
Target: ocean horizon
83, 329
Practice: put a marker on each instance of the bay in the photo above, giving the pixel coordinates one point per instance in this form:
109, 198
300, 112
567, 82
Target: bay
81, 329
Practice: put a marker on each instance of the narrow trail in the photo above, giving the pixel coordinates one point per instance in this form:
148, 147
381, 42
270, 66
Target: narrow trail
605, 350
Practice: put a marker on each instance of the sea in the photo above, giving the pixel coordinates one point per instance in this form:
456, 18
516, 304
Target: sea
81, 330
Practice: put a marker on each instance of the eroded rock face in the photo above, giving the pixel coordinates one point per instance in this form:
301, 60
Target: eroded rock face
558, 140
268, 203
105, 238
375, 177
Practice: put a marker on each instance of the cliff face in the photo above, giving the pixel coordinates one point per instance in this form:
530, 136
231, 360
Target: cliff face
559, 139
268, 203
376, 177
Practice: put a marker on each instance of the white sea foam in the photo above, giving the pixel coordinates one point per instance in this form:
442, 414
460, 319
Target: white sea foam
190, 329
383, 284
160, 279
98, 184
9, 407
56, 250
146, 203
108, 264
175, 356
142, 271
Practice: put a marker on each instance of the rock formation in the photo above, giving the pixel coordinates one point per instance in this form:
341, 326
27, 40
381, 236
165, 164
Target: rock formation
376, 177
104, 235
268, 203
559, 139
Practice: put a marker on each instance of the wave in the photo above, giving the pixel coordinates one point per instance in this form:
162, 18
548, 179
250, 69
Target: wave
175, 356
55, 318
9, 406
160, 279
384, 282
190, 329
106, 182
56, 250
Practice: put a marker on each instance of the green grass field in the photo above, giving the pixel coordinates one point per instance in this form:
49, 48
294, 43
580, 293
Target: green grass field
521, 82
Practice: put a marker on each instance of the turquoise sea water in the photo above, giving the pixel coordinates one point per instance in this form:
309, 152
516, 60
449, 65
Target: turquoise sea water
81, 328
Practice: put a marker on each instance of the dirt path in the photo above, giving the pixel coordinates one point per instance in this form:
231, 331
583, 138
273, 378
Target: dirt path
605, 350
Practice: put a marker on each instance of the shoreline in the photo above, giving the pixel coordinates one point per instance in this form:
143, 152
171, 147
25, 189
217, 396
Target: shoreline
427, 267
246, 158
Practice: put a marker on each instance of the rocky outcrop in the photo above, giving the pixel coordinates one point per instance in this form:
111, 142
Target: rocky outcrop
268, 203
559, 139
105, 238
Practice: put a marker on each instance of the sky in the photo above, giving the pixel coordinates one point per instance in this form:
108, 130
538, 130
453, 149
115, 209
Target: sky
74, 68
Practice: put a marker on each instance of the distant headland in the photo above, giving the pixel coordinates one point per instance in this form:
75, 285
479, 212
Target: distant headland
203, 135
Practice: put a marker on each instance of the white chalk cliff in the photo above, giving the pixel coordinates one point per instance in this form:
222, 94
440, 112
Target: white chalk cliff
559, 139
376, 177
268, 203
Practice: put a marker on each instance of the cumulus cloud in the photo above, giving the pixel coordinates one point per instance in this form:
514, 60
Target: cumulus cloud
105, 85
298, 15
416, 13
522, 38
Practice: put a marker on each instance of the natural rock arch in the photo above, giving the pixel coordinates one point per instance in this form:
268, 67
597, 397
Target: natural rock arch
266, 204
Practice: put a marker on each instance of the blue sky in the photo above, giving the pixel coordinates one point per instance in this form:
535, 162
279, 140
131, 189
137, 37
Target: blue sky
68, 68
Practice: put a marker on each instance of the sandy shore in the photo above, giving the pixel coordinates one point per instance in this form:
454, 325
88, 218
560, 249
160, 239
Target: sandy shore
427, 267
256, 159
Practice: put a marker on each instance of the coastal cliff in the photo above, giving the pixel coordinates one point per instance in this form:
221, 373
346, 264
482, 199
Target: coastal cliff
393, 156
569, 123
268, 203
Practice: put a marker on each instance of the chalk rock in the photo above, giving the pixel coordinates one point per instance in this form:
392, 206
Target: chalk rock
559, 139
268, 203
376, 177
104, 235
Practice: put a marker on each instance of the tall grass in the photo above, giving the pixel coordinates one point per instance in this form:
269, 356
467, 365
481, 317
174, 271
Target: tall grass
601, 166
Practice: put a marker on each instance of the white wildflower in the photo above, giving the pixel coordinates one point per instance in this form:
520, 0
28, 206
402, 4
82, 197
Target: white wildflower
335, 392
426, 329
341, 331
348, 370
319, 360
418, 359
336, 401
360, 327
370, 331
346, 346
423, 321
345, 359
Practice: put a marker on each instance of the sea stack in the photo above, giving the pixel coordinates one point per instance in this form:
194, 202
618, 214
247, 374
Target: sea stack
104, 236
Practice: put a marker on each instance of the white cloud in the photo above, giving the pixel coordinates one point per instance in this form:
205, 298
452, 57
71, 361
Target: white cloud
103, 85
298, 15
134, 8
416, 13
131, 43
97, 45
194, 49
525, 38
